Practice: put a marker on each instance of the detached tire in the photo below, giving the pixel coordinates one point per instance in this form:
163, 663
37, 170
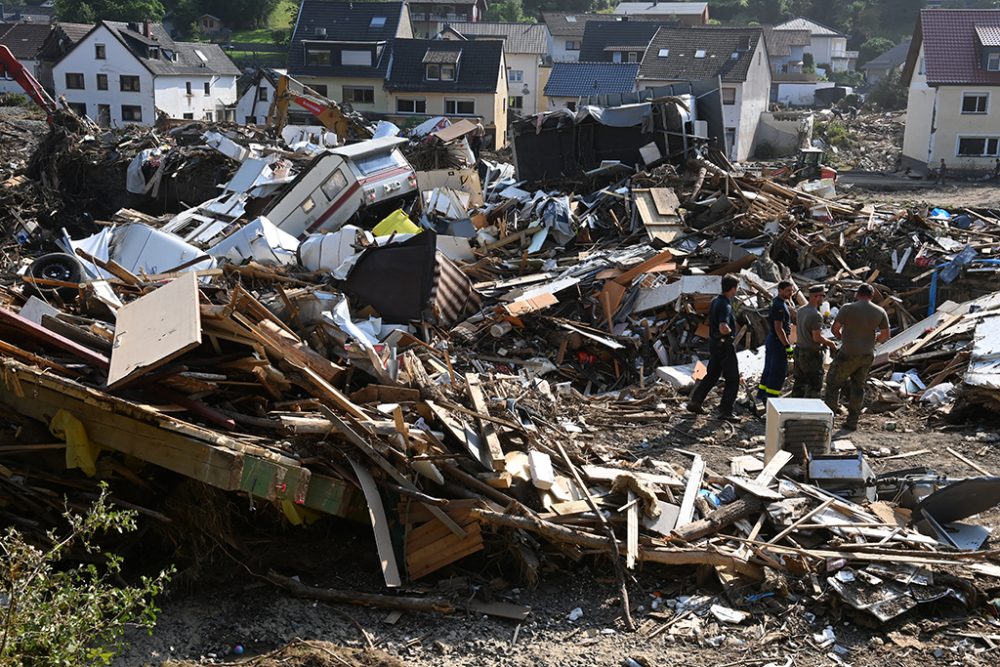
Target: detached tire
56, 266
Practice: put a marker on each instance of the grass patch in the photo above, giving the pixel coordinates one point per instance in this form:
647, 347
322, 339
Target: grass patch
280, 19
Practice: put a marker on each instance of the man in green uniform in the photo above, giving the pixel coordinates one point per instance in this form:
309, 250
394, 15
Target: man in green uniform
856, 325
809, 343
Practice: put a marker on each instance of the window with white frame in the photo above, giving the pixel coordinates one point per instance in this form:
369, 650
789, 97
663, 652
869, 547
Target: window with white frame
729, 96
978, 146
360, 58
975, 103
633, 57
992, 62
410, 105
572, 45
515, 75
459, 107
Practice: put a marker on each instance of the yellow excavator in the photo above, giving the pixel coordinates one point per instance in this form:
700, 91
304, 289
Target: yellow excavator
348, 125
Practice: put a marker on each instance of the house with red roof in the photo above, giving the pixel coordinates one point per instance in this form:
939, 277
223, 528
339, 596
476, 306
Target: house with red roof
953, 105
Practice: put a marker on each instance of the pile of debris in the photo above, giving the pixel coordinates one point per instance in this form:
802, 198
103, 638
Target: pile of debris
439, 367
871, 142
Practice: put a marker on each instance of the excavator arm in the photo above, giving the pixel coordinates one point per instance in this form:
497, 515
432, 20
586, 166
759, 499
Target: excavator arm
328, 112
29, 83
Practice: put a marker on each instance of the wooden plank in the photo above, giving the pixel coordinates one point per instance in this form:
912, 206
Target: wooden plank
751, 486
695, 476
465, 434
441, 552
154, 329
488, 429
773, 467
981, 470
376, 514
601, 474
41, 334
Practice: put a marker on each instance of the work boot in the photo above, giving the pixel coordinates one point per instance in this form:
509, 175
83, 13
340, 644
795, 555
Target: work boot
730, 417
695, 408
850, 425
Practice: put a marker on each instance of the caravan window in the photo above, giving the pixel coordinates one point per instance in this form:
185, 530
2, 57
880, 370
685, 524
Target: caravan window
375, 162
334, 185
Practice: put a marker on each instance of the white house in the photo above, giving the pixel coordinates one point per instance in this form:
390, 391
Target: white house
827, 46
257, 96
127, 72
24, 40
737, 56
685, 13
525, 47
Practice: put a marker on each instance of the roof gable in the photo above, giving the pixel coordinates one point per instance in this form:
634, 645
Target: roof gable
815, 29
781, 42
953, 52
687, 54
478, 65
892, 58
24, 39
332, 25
583, 79
569, 24
627, 35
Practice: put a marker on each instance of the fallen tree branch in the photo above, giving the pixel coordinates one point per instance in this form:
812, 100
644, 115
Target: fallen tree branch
300, 590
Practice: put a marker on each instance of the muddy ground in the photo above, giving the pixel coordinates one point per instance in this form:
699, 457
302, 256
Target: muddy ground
204, 625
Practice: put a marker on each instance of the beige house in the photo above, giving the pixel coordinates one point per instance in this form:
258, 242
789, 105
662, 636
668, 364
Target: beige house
455, 79
342, 50
953, 106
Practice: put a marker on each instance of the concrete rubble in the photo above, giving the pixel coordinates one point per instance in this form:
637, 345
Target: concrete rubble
432, 362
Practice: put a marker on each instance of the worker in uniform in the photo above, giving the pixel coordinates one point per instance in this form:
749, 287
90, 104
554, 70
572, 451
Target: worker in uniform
860, 325
809, 347
777, 345
722, 361
476, 138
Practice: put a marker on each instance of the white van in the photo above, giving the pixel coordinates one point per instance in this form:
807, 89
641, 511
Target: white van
359, 183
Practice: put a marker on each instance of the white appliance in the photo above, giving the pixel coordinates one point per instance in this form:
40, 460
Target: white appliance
797, 423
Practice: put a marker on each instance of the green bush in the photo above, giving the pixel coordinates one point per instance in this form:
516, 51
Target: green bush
279, 36
55, 613
13, 100
835, 133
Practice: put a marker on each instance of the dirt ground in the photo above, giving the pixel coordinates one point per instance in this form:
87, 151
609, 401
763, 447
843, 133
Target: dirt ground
203, 626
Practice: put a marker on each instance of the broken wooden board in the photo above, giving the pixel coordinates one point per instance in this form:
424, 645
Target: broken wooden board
695, 475
657, 210
154, 329
487, 428
601, 474
431, 546
380, 524
465, 434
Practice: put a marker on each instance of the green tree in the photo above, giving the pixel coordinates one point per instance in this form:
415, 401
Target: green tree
81, 11
808, 62
890, 92
873, 48
511, 11
58, 615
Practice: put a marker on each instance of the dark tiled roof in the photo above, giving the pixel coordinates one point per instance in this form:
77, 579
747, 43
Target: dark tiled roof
344, 22
599, 35
891, 59
684, 44
560, 25
951, 52
581, 79
518, 37
192, 58
74, 31
24, 39
478, 65
781, 42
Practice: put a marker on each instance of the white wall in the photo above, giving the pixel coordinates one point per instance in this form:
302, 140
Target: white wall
119, 61
752, 99
172, 97
558, 52
527, 63
7, 83
920, 102
800, 94
248, 104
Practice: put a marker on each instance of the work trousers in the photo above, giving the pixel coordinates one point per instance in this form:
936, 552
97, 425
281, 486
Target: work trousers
775, 369
848, 371
722, 363
808, 373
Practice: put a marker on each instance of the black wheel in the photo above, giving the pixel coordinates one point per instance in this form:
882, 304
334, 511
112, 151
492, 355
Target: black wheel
56, 266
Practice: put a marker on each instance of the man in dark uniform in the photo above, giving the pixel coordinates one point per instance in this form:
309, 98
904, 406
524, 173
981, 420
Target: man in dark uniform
809, 343
856, 324
722, 361
777, 346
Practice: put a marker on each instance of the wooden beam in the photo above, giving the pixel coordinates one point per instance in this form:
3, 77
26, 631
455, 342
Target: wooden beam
487, 428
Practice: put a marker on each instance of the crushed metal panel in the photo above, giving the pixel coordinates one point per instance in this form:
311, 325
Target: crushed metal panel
154, 329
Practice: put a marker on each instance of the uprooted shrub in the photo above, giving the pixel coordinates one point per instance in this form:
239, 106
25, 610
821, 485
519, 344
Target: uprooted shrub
55, 610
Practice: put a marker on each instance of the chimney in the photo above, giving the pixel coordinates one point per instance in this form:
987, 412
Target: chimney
147, 29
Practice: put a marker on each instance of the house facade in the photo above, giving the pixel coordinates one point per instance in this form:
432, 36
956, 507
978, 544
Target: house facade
882, 65
123, 73
429, 16
525, 47
24, 40
827, 46
953, 104
256, 96
737, 56
342, 50
58, 43
566, 32
455, 79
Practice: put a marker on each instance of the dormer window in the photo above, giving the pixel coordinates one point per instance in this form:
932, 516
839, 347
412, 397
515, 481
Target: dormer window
633, 57
433, 72
993, 62
441, 65
154, 52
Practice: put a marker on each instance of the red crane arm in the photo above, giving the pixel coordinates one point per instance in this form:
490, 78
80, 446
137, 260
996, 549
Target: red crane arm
30, 84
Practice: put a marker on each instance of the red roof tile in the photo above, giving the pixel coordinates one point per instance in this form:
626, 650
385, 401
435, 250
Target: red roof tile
951, 46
